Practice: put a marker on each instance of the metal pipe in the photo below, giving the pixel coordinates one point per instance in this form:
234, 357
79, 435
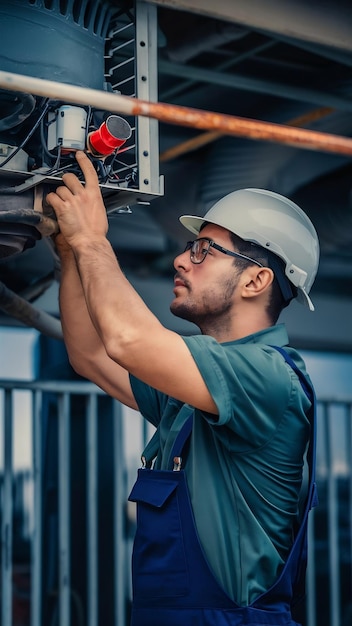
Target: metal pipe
20, 309
180, 116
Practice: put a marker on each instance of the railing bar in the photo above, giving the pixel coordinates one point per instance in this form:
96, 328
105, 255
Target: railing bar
55, 386
64, 509
36, 543
349, 460
92, 511
119, 507
310, 581
334, 578
77, 387
6, 527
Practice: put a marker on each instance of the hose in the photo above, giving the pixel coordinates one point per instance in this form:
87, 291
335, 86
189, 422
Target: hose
20, 309
19, 115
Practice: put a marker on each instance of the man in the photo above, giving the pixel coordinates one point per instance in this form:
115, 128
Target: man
218, 510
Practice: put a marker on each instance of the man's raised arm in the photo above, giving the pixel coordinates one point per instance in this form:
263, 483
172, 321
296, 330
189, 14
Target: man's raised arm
86, 351
131, 335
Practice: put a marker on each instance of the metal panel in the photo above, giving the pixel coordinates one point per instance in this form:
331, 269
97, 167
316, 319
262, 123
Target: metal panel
147, 89
297, 18
255, 85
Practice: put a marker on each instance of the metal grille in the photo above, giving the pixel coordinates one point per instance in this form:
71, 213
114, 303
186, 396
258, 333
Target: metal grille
131, 70
329, 580
120, 64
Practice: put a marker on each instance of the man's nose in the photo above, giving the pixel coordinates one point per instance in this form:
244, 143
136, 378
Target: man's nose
182, 260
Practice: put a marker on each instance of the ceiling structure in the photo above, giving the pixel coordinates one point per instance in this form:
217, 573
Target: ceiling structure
287, 62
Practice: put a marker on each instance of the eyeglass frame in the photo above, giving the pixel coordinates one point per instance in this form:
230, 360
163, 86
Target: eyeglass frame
216, 246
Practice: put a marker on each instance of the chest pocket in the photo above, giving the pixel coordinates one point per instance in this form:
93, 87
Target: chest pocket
158, 554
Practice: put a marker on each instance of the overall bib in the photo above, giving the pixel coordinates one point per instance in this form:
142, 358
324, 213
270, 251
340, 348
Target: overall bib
172, 581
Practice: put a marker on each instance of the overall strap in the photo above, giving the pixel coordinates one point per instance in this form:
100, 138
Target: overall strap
178, 448
292, 580
151, 450
311, 452
180, 443
306, 386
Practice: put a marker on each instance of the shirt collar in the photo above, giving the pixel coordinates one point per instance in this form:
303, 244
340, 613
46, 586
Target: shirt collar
274, 335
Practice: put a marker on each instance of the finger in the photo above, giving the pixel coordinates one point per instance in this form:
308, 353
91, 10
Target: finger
54, 197
72, 183
89, 173
63, 192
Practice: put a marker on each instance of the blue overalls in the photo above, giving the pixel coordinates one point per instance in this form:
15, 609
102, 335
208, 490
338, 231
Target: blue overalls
172, 582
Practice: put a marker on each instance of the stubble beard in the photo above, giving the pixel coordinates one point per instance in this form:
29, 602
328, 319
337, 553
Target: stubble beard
212, 310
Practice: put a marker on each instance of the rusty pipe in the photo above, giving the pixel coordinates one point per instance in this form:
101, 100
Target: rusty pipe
180, 115
210, 136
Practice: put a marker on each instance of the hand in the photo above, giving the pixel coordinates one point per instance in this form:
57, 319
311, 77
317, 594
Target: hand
79, 208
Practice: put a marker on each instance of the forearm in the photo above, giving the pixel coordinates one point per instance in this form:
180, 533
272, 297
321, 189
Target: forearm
86, 351
117, 312
80, 336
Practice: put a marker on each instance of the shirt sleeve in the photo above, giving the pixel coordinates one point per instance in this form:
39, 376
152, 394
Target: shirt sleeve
151, 403
249, 383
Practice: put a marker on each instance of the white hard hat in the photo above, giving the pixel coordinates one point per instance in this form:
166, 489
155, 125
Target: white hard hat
273, 222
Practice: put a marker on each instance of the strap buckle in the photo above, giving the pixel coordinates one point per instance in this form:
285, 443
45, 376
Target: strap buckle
145, 464
177, 463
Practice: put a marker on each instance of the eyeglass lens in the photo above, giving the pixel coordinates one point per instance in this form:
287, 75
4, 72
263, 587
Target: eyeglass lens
198, 249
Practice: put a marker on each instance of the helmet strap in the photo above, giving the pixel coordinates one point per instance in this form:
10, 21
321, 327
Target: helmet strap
288, 290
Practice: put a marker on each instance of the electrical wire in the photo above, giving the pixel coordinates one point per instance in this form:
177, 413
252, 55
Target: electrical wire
27, 138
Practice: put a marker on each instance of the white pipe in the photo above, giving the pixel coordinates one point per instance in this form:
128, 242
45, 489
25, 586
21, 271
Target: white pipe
68, 93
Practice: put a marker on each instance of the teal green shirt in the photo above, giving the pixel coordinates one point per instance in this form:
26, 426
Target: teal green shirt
244, 468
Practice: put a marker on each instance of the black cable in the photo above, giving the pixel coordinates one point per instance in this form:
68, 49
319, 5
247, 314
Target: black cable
27, 137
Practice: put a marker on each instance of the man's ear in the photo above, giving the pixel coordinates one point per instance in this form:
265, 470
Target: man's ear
257, 281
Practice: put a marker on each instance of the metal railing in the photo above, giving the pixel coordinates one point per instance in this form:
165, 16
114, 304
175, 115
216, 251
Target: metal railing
329, 581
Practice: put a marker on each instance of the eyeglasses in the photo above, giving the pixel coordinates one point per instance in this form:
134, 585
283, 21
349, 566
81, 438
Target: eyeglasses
199, 249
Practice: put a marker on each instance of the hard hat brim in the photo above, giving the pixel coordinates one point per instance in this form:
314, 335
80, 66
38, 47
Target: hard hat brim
192, 223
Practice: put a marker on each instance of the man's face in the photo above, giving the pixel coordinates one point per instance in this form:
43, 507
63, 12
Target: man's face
204, 293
